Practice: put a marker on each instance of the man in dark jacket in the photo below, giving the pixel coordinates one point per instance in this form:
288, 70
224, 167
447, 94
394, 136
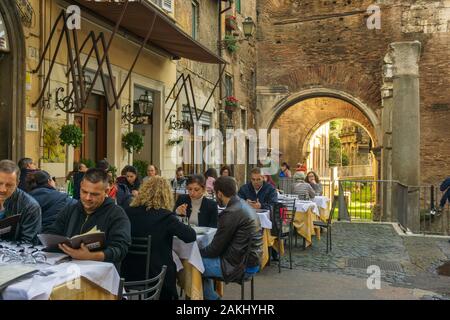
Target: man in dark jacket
15, 201
236, 250
258, 193
42, 188
26, 166
95, 210
445, 188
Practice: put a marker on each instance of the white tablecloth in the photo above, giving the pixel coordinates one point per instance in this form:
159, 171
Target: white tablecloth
321, 201
304, 206
191, 251
40, 285
264, 218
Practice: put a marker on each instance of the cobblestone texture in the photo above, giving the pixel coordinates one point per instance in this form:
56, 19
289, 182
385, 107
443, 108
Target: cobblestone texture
418, 256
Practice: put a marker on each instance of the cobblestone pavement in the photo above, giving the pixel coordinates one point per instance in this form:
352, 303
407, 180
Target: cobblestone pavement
417, 257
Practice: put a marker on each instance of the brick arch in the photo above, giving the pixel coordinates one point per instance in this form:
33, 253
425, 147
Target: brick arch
339, 77
298, 122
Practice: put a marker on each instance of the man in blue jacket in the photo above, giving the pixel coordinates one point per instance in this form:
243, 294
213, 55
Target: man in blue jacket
445, 188
258, 193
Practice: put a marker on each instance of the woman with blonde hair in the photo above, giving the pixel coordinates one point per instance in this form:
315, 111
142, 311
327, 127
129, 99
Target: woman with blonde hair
150, 213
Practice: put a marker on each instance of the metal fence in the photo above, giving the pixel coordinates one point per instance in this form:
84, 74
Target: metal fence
416, 208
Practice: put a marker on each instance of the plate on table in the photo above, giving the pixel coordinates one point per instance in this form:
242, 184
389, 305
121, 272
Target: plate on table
201, 230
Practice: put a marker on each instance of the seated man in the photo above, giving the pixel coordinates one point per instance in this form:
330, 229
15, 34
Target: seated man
26, 166
16, 201
258, 193
229, 256
180, 180
95, 210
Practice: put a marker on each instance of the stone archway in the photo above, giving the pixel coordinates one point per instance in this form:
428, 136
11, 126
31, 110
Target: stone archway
298, 119
12, 85
268, 115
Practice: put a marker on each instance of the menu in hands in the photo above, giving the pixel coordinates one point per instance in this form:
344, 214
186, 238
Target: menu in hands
93, 240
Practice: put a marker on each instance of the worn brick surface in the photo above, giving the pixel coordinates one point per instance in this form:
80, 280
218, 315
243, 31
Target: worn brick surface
303, 44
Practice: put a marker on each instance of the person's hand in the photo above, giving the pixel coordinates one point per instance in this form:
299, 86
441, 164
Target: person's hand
78, 254
257, 204
135, 193
181, 210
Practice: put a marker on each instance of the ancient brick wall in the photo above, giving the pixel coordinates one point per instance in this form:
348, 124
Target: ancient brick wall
315, 43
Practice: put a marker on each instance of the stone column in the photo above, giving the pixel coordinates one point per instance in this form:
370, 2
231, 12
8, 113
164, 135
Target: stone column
386, 151
406, 123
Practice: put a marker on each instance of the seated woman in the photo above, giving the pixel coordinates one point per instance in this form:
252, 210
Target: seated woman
313, 179
210, 176
301, 188
150, 214
200, 210
128, 186
225, 171
41, 187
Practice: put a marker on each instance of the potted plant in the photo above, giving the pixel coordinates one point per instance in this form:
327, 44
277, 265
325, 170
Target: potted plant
231, 43
231, 103
133, 142
230, 23
71, 135
175, 141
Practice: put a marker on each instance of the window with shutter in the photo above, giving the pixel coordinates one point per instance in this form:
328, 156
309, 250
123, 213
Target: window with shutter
167, 5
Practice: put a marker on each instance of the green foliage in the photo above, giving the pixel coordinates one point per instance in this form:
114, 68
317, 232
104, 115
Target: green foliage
133, 142
113, 171
88, 162
335, 151
71, 135
231, 43
141, 167
345, 160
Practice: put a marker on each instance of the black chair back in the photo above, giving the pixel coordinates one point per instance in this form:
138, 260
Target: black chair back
333, 207
152, 287
142, 246
282, 216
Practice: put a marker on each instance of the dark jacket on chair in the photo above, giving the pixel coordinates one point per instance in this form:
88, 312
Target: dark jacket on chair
52, 203
30, 222
207, 216
162, 225
267, 195
108, 218
238, 225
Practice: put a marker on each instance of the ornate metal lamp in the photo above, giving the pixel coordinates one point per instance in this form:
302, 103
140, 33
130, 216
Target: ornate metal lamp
249, 27
142, 109
181, 124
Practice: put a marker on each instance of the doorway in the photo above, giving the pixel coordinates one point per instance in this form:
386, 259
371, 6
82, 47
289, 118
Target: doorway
92, 121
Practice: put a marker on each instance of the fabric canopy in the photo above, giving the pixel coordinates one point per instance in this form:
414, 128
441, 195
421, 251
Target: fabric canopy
166, 35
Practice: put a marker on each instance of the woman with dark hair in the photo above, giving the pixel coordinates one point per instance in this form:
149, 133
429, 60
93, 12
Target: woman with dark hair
200, 210
313, 179
210, 176
41, 187
150, 213
225, 171
127, 186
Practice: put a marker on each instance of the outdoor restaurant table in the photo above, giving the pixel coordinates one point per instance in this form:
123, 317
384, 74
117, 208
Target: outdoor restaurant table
74, 280
306, 213
323, 205
191, 268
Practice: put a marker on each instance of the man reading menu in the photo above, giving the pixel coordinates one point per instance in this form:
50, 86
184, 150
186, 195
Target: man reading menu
95, 211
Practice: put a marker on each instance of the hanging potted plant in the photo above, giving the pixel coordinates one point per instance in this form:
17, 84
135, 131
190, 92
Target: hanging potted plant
71, 135
231, 43
175, 141
133, 142
230, 23
231, 103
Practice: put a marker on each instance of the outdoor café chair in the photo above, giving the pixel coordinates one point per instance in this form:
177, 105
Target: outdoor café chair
149, 289
327, 225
